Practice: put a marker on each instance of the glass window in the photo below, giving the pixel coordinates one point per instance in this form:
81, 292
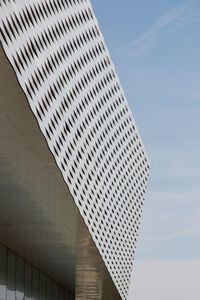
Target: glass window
19, 278
3, 262
42, 286
61, 294
11, 276
71, 297
55, 291
28, 271
21, 281
35, 285
49, 289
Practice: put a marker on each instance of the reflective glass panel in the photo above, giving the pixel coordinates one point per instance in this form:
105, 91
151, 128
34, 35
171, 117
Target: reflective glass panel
3, 262
61, 295
55, 291
28, 275
19, 278
11, 276
42, 286
35, 285
49, 289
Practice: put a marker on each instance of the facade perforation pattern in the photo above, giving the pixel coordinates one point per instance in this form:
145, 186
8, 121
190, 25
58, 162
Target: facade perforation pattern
62, 63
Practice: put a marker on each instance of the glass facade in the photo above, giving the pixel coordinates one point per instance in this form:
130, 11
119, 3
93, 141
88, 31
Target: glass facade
19, 280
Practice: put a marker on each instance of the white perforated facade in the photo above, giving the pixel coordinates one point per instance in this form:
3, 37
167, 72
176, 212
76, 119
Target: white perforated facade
64, 68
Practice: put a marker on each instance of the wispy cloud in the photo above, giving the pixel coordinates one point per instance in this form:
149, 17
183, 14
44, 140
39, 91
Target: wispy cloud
172, 21
180, 234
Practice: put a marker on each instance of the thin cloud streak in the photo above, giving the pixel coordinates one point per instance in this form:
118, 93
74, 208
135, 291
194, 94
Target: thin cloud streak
191, 232
175, 19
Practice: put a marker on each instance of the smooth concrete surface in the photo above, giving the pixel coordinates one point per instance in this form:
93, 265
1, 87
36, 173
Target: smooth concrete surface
38, 217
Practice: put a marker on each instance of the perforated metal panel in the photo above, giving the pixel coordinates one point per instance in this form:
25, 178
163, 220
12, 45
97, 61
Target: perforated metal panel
63, 66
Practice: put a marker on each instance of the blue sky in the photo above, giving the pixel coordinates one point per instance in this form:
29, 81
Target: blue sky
155, 46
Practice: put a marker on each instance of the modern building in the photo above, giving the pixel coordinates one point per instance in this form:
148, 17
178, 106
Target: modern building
73, 166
